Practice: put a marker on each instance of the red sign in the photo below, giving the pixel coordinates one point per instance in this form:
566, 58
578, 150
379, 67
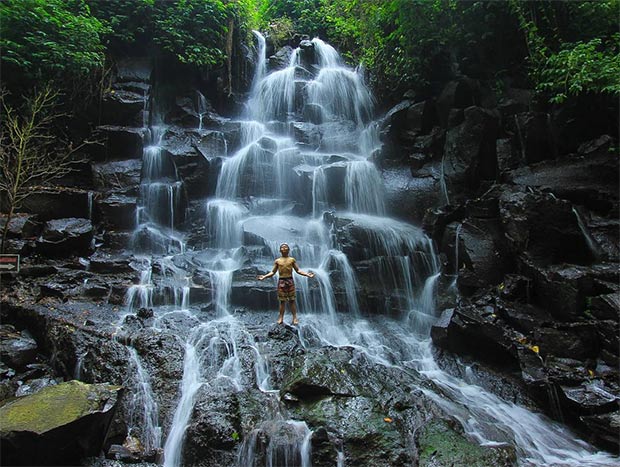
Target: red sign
9, 263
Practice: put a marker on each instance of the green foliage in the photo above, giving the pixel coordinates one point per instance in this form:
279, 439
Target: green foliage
569, 48
305, 16
128, 21
193, 30
573, 47
280, 31
582, 67
395, 39
49, 39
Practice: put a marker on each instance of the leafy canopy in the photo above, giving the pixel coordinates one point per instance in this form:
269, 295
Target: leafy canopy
50, 38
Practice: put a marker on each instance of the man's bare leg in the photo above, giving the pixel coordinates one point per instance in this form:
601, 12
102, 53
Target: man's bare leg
281, 317
293, 307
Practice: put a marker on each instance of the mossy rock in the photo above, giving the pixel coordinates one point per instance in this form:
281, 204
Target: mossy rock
439, 445
58, 425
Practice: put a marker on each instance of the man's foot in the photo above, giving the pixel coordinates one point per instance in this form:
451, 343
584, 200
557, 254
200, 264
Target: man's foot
280, 321
295, 321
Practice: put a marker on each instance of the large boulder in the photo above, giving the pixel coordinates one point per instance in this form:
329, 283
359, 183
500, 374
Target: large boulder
53, 203
124, 107
470, 151
117, 175
532, 136
281, 58
62, 237
59, 425
17, 349
458, 94
21, 225
543, 226
410, 197
483, 259
441, 445
564, 289
121, 142
118, 212
588, 180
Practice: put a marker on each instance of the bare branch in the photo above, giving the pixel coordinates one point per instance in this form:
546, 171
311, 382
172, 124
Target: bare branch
31, 155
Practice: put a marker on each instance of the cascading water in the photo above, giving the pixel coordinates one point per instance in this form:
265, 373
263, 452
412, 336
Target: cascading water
161, 205
302, 182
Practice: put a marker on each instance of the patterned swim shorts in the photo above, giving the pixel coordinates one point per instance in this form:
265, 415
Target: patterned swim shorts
286, 289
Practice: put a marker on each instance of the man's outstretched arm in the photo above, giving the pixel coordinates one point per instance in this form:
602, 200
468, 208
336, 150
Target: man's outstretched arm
302, 273
269, 274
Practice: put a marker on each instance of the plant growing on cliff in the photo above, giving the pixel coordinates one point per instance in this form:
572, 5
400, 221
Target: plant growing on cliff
31, 155
573, 47
44, 40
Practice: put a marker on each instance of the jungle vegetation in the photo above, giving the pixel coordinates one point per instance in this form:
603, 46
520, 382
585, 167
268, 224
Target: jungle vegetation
563, 49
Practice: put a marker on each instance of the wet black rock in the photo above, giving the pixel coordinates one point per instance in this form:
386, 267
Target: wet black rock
593, 397
281, 58
17, 349
458, 94
483, 258
21, 226
117, 175
307, 53
422, 117
121, 142
409, 198
532, 136
118, 212
66, 237
514, 101
470, 152
106, 262
33, 386
605, 426
544, 226
54, 203
122, 106
591, 180
145, 313
479, 331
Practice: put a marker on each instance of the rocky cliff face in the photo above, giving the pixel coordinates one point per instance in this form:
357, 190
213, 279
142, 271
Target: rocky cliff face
526, 224
526, 219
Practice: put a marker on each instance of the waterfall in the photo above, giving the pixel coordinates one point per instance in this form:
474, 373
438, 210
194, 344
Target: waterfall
161, 204
261, 61
201, 107
141, 295
143, 409
189, 387
223, 217
288, 445
457, 264
364, 188
90, 195
319, 191
312, 184
594, 249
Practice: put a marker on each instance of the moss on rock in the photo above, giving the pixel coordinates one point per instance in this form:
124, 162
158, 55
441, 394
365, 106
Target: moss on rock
56, 406
440, 445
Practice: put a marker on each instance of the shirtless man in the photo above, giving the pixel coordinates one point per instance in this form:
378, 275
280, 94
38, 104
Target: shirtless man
284, 266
